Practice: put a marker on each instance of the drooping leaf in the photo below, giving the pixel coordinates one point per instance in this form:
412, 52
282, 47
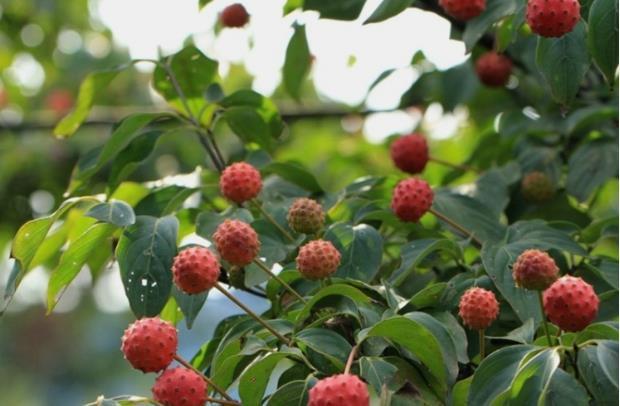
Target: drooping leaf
254, 379
163, 201
596, 376
590, 166
361, 249
115, 212
387, 9
297, 62
414, 252
563, 62
376, 371
132, 156
329, 344
145, 252
603, 36
564, 390
294, 173
494, 11
190, 304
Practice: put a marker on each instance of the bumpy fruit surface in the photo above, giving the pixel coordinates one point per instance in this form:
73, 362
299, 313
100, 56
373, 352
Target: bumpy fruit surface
237, 242
552, 18
493, 69
463, 10
410, 153
195, 270
234, 16
180, 387
341, 390
537, 187
318, 259
535, 270
570, 303
478, 308
412, 198
306, 216
150, 344
240, 182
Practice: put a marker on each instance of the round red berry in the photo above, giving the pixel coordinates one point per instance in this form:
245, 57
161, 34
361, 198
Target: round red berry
195, 270
493, 69
410, 153
343, 390
537, 187
237, 242
412, 198
306, 216
318, 259
478, 308
463, 10
552, 18
570, 303
149, 344
534, 270
180, 387
234, 16
240, 182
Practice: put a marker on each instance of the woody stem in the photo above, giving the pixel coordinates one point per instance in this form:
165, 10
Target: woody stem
280, 280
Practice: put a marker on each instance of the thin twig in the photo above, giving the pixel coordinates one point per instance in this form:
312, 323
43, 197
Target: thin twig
280, 280
219, 390
457, 226
460, 167
544, 318
481, 344
273, 221
352, 354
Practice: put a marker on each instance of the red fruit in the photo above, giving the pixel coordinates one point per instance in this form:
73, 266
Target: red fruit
570, 303
537, 187
534, 270
234, 16
463, 10
240, 182
237, 242
149, 344
339, 390
478, 308
493, 69
412, 198
552, 18
306, 216
180, 387
410, 153
59, 101
195, 270
318, 259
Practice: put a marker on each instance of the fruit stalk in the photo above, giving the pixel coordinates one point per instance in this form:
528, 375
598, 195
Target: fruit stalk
209, 382
544, 318
461, 167
280, 280
481, 344
456, 226
352, 354
273, 221
252, 314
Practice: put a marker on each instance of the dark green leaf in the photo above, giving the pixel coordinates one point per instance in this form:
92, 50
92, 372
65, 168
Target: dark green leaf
361, 247
387, 9
494, 11
249, 126
207, 222
132, 156
263, 106
289, 394
329, 344
376, 371
145, 252
294, 173
337, 10
414, 252
603, 36
190, 304
563, 62
595, 375
333, 290
297, 62
498, 256
116, 212
254, 379
523, 334
590, 166
565, 390
161, 202
493, 186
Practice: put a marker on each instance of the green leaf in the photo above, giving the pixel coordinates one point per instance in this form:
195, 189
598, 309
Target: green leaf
264, 107
248, 125
493, 186
132, 156
361, 247
563, 62
161, 202
607, 354
417, 339
590, 166
207, 221
596, 376
508, 29
603, 36
115, 212
193, 71
387, 9
294, 173
190, 304
523, 334
254, 379
92, 86
565, 390
145, 252
478, 26
203, 3
469, 214
297, 62
329, 344
74, 258
337, 10
346, 291
457, 334
460, 392
289, 394
498, 256
590, 117
495, 373
414, 252
376, 372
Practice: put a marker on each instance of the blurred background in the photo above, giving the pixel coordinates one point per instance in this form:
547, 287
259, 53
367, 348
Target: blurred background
47, 47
